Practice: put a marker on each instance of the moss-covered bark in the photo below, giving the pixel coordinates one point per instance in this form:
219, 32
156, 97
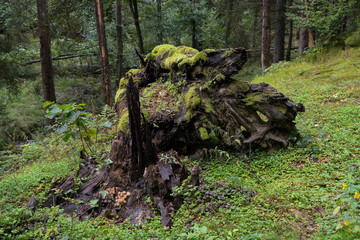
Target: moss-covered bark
191, 101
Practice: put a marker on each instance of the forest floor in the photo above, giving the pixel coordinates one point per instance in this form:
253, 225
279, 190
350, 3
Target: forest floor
307, 191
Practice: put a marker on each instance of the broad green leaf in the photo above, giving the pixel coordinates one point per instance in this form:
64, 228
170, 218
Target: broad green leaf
203, 229
74, 135
107, 124
63, 129
93, 202
47, 103
103, 193
74, 116
54, 112
66, 137
337, 209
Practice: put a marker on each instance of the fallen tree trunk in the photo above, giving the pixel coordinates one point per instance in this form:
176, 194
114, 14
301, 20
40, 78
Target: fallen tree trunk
58, 58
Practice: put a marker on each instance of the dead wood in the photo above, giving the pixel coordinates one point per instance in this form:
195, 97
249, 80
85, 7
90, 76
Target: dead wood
179, 103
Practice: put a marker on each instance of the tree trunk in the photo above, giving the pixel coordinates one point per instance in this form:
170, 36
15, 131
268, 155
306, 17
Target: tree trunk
100, 26
194, 42
303, 41
45, 53
288, 52
255, 28
159, 22
230, 7
279, 31
311, 40
119, 40
266, 36
134, 10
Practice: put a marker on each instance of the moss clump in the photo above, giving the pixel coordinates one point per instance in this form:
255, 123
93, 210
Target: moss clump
178, 56
159, 50
192, 99
200, 58
227, 54
207, 104
122, 83
253, 98
134, 73
243, 86
209, 50
219, 77
119, 95
282, 110
213, 137
124, 122
203, 133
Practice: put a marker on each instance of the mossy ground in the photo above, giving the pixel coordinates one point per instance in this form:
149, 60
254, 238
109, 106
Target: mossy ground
298, 188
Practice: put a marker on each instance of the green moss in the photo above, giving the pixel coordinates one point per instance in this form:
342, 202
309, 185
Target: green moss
122, 83
159, 50
119, 94
213, 75
124, 122
209, 50
203, 133
132, 72
282, 110
227, 54
244, 86
178, 56
219, 77
207, 105
192, 98
213, 137
252, 98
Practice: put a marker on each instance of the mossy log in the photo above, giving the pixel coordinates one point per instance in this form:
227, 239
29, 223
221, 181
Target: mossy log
191, 101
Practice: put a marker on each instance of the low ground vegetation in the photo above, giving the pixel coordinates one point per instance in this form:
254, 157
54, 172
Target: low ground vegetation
309, 191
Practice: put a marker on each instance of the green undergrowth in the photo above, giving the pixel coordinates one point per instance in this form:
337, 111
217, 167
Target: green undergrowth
308, 191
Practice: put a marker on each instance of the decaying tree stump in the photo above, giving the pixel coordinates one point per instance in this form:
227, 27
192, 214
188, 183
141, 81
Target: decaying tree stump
181, 101
190, 102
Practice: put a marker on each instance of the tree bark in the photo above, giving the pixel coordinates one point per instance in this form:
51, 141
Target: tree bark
230, 6
194, 42
288, 52
255, 27
311, 40
279, 31
119, 40
266, 36
159, 22
303, 41
135, 13
100, 26
45, 53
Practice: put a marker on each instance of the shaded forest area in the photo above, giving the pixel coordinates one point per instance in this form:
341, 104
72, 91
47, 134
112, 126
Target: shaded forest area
112, 128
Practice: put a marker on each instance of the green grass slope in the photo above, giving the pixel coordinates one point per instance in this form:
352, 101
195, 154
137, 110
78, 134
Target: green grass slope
308, 191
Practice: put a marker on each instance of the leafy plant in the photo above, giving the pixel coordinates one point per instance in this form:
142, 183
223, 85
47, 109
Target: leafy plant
73, 122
